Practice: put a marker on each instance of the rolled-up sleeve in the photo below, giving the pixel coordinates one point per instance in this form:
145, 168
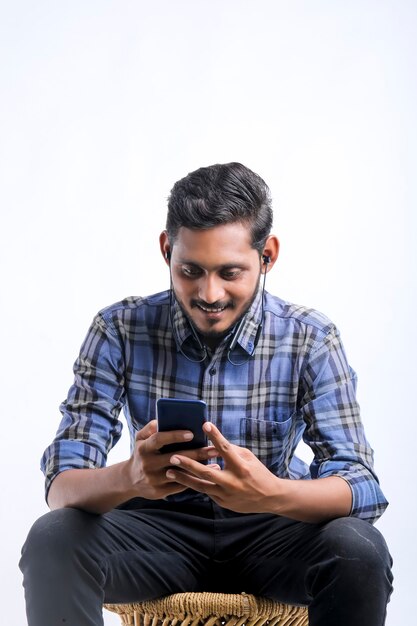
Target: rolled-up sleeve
334, 429
90, 426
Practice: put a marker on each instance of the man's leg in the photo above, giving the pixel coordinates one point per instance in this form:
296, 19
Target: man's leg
340, 569
73, 561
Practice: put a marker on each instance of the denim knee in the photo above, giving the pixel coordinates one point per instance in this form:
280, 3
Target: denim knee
349, 580
353, 539
53, 536
354, 554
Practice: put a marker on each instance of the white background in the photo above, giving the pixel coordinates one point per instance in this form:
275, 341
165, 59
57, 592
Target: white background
104, 104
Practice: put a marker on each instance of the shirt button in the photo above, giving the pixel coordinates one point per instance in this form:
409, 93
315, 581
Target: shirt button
212, 371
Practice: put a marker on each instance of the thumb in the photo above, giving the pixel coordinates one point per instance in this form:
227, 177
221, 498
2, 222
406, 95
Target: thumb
147, 431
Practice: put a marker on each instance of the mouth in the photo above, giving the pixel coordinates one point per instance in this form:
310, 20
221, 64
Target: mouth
213, 312
205, 309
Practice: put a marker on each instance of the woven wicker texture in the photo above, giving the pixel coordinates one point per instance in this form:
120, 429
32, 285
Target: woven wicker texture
211, 609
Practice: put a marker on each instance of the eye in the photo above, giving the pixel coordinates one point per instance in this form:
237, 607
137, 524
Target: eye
190, 271
231, 274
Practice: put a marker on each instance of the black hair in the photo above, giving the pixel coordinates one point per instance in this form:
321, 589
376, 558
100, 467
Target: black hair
221, 194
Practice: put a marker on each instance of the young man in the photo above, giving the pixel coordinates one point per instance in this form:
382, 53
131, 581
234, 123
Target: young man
253, 518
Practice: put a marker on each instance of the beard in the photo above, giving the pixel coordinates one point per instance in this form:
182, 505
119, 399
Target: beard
213, 337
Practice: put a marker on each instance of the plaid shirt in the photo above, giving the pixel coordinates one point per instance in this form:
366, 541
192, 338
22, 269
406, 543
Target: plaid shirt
298, 384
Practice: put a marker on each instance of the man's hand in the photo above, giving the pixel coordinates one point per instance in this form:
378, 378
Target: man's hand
143, 475
148, 467
245, 485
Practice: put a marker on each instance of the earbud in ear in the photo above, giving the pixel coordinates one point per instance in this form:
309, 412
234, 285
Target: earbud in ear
266, 259
168, 255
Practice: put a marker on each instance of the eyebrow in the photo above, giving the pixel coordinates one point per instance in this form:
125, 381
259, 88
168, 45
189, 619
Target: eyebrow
225, 266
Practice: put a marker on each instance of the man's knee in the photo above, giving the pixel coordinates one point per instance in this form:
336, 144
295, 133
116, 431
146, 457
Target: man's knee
353, 539
356, 554
55, 534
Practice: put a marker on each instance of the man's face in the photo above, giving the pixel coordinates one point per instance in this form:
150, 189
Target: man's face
215, 276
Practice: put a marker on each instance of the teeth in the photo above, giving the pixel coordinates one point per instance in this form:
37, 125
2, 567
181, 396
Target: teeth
211, 310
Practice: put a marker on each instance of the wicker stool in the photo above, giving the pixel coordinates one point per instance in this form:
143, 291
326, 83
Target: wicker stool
211, 609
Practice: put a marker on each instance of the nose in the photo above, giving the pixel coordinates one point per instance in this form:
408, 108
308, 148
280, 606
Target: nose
211, 289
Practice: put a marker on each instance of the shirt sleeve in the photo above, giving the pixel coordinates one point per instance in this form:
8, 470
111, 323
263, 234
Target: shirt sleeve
334, 430
90, 426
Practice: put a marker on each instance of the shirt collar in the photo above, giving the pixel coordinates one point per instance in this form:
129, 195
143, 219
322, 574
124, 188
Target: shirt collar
246, 338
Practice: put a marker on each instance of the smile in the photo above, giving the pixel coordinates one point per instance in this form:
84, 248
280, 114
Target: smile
211, 310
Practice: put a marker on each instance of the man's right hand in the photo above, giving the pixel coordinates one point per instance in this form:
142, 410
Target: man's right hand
143, 475
148, 466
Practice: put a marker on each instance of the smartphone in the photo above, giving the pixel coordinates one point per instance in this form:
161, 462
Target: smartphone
182, 414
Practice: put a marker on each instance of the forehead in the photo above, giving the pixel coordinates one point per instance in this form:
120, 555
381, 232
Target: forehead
224, 244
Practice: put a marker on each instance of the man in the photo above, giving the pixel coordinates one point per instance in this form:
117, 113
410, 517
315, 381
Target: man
252, 518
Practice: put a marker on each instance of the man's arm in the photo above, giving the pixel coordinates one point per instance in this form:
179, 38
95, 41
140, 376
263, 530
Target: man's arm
344, 482
143, 475
334, 429
247, 486
74, 464
93, 490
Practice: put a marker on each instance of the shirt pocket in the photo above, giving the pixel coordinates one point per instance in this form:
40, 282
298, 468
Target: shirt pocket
268, 440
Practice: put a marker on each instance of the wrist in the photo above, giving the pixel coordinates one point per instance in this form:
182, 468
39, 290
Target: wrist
126, 483
310, 500
276, 500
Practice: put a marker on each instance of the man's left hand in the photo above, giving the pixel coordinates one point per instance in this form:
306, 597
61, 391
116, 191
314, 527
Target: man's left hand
244, 485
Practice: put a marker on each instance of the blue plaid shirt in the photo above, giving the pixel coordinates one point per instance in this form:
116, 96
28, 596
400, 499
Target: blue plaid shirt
298, 384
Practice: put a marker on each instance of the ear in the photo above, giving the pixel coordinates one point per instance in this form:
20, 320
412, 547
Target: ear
271, 250
165, 246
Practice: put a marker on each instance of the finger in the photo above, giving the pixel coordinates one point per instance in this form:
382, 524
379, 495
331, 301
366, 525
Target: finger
225, 449
187, 480
147, 431
197, 454
190, 465
160, 439
209, 473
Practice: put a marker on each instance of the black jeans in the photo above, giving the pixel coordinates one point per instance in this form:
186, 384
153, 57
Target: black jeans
74, 561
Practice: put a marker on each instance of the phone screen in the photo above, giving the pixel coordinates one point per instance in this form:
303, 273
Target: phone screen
182, 414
